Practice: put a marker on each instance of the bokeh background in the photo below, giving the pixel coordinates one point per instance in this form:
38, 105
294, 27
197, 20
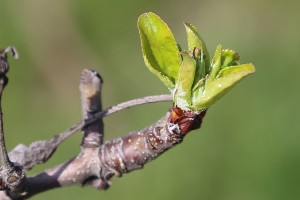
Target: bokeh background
248, 147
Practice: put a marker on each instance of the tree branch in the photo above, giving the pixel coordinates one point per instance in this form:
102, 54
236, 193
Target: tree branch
114, 158
12, 176
97, 162
39, 152
4, 67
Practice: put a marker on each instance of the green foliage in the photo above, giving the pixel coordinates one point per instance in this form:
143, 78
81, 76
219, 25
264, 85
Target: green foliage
160, 49
194, 80
184, 83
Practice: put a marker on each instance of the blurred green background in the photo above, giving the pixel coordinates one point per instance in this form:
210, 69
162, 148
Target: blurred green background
248, 147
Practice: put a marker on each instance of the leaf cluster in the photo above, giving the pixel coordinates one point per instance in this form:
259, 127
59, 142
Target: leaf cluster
195, 80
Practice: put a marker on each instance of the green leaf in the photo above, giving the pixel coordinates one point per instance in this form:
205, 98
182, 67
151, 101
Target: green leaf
185, 79
195, 82
229, 58
196, 41
201, 57
216, 62
226, 79
160, 51
238, 69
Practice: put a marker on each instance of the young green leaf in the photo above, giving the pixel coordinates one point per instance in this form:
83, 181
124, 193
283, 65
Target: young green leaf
196, 41
196, 83
216, 62
237, 70
229, 58
184, 83
197, 45
160, 51
225, 80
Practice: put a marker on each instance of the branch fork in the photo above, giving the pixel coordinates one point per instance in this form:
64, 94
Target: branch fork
195, 81
97, 162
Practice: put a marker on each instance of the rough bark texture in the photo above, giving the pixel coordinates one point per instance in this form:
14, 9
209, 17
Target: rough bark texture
96, 163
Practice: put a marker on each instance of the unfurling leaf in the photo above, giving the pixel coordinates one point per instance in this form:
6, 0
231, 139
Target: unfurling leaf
195, 82
217, 88
160, 50
195, 41
184, 83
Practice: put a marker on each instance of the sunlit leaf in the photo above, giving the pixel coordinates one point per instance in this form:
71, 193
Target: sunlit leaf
195, 82
185, 79
229, 58
216, 62
160, 51
226, 79
196, 41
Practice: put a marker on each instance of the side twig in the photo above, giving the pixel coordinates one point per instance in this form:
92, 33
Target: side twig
12, 176
90, 91
97, 163
39, 152
113, 109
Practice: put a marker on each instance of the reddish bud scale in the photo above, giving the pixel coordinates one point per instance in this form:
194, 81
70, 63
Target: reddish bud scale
186, 120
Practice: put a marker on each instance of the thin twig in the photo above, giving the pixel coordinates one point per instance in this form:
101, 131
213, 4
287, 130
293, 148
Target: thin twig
132, 103
12, 176
39, 152
6, 163
113, 109
4, 68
